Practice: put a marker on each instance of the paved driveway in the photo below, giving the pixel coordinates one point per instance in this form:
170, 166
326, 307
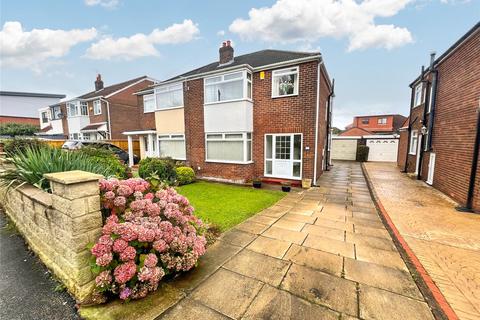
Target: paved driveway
446, 242
321, 254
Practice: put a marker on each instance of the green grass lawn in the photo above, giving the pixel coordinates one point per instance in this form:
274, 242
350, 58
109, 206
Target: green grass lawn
227, 205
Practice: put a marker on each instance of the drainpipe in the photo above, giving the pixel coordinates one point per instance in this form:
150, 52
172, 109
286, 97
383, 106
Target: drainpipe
409, 130
108, 118
329, 126
423, 129
473, 171
433, 100
316, 126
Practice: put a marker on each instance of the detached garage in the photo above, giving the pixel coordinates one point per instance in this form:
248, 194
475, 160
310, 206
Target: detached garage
382, 148
344, 148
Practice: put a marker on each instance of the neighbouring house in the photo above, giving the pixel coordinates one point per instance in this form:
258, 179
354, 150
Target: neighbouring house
263, 114
442, 134
104, 113
375, 124
354, 131
22, 107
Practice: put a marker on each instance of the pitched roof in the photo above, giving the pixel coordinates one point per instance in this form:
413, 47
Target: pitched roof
110, 89
355, 131
254, 59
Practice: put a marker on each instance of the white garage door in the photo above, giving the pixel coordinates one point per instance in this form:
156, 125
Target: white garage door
382, 150
344, 149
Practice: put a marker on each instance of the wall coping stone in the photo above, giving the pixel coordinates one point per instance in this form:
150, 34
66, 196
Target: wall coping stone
36, 194
72, 177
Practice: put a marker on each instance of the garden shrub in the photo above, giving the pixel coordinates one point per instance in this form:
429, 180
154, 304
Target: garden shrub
161, 169
149, 233
362, 153
12, 146
106, 158
185, 175
18, 129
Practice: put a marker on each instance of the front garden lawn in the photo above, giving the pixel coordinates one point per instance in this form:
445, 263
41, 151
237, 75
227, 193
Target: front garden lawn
226, 205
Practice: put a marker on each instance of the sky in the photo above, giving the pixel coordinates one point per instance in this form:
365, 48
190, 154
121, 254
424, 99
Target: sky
372, 48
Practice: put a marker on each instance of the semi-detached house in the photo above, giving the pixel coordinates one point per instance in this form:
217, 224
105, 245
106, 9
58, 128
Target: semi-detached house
264, 114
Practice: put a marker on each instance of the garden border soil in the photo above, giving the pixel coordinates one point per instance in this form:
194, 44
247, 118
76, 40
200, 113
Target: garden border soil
433, 296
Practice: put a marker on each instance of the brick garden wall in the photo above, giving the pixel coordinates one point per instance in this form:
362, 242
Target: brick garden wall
402, 149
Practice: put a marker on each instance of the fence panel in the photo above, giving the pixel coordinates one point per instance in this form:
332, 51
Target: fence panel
123, 144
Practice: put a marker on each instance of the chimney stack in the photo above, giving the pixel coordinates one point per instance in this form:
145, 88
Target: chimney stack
98, 83
432, 59
226, 52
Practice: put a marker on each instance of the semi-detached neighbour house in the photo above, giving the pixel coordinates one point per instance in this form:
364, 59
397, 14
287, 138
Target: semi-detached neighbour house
101, 114
264, 114
440, 141
374, 124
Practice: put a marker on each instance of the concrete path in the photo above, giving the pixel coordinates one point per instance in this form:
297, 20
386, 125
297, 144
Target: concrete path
446, 242
321, 254
26, 289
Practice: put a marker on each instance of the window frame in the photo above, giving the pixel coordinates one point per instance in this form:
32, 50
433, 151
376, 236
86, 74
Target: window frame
150, 96
418, 90
365, 120
78, 106
381, 121
245, 82
46, 117
169, 88
53, 113
170, 137
296, 87
245, 139
97, 103
413, 146
292, 159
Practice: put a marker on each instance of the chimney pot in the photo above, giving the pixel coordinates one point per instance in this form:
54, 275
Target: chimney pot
226, 52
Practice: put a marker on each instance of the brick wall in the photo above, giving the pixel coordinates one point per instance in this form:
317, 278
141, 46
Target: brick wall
402, 149
22, 120
146, 120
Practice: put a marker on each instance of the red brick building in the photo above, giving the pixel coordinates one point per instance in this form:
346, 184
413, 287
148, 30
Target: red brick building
375, 124
264, 114
442, 134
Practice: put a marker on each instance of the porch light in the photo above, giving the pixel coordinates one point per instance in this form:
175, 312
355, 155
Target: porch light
424, 130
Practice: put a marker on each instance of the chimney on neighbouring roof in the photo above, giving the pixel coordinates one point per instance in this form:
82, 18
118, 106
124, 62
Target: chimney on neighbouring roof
226, 52
98, 83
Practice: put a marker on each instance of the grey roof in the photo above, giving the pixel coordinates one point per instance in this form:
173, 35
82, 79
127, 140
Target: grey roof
110, 89
32, 94
254, 59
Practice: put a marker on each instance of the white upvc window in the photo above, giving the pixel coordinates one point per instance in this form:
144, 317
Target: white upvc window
97, 107
228, 87
430, 99
169, 96
77, 108
44, 117
419, 97
382, 121
425, 141
229, 147
148, 103
55, 112
172, 145
413, 142
285, 82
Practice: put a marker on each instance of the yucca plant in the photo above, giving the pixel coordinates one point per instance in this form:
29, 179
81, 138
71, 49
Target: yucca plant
32, 163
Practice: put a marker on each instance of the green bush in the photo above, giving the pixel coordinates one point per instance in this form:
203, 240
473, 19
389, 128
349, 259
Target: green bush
161, 169
185, 175
18, 129
32, 163
362, 153
106, 158
12, 146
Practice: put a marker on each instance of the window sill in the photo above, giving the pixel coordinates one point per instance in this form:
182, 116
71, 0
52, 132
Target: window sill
285, 96
227, 101
149, 111
169, 108
229, 162
412, 154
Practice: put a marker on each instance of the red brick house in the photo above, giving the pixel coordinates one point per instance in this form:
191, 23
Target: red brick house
104, 113
264, 114
442, 134
375, 124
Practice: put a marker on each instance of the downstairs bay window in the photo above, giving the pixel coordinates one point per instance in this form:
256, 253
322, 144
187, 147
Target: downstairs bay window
229, 147
172, 145
228, 87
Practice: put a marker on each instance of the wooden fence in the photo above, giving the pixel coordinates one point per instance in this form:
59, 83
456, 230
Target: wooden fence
123, 144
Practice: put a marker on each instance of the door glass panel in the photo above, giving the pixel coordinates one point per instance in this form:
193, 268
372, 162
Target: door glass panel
282, 147
268, 167
268, 154
297, 147
296, 169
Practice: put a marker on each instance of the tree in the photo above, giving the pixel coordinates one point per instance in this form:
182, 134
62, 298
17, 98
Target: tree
17, 129
335, 130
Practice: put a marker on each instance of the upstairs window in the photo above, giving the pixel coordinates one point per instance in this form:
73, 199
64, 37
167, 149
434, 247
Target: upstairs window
382, 121
365, 121
97, 107
148, 103
77, 108
418, 99
169, 96
55, 112
285, 82
228, 87
44, 117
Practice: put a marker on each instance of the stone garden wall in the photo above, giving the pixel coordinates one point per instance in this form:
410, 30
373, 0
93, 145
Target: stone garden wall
58, 226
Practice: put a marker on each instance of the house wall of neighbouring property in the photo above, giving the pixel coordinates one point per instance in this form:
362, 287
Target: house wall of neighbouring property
373, 123
402, 149
22, 120
58, 226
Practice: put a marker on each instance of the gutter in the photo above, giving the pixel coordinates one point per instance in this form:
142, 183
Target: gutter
316, 126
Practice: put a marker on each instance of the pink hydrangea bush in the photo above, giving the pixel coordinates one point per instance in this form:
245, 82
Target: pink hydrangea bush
147, 235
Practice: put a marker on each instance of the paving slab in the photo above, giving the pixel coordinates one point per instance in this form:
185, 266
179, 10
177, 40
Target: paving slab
299, 218
383, 305
272, 303
286, 235
237, 237
252, 227
289, 225
373, 232
271, 247
386, 258
320, 230
277, 213
332, 223
227, 292
342, 248
259, 266
189, 309
374, 242
315, 259
263, 219
321, 288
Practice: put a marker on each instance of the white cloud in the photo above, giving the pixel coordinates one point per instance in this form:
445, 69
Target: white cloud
33, 49
290, 21
221, 33
104, 3
142, 45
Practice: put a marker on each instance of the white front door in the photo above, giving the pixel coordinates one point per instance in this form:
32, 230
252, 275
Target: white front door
283, 156
431, 168
150, 142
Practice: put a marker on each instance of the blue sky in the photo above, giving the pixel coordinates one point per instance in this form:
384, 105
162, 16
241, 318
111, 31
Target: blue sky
373, 48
